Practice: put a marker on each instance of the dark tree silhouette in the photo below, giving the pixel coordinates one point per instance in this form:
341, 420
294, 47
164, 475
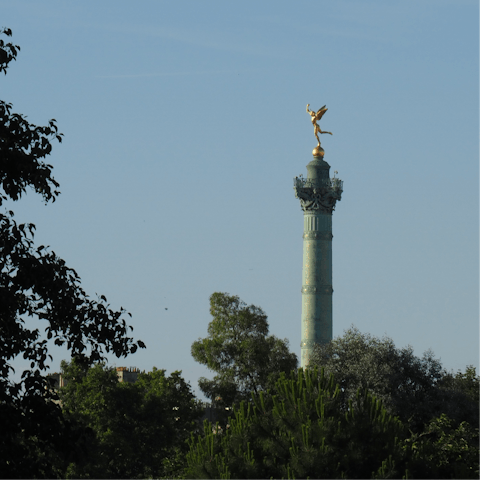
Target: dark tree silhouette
35, 283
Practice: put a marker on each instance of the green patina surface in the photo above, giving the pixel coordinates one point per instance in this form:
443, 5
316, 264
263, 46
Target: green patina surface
318, 194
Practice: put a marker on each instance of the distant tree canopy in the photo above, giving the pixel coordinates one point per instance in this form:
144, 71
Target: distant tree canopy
239, 349
412, 388
35, 283
134, 430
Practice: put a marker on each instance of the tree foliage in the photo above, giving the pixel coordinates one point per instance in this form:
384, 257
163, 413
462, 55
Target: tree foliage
444, 449
300, 429
239, 349
36, 284
137, 430
416, 389
8, 51
459, 393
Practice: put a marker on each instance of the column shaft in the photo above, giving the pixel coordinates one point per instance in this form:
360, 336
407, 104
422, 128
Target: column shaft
316, 282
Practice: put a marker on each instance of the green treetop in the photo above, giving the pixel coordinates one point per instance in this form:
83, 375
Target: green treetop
299, 429
416, 389
239, 349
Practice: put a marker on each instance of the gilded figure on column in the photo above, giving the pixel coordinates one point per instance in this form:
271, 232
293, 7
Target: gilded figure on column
316, 116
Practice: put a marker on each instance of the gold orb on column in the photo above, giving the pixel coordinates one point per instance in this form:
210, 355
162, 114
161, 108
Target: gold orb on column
318, 151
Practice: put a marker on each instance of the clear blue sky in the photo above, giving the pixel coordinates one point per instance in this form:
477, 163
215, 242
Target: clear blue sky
185, 123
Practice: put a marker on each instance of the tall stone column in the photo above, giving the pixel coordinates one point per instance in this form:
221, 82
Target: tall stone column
318, 194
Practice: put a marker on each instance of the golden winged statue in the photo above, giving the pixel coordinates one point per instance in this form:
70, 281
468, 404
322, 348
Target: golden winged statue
316, 116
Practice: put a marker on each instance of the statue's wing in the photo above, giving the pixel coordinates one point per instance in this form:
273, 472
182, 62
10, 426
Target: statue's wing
320, 113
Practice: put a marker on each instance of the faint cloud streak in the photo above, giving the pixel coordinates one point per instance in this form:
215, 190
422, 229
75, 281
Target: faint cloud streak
174, 74
226, 41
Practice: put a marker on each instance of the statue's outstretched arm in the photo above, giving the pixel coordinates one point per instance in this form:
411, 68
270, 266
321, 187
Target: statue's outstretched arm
308, 111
